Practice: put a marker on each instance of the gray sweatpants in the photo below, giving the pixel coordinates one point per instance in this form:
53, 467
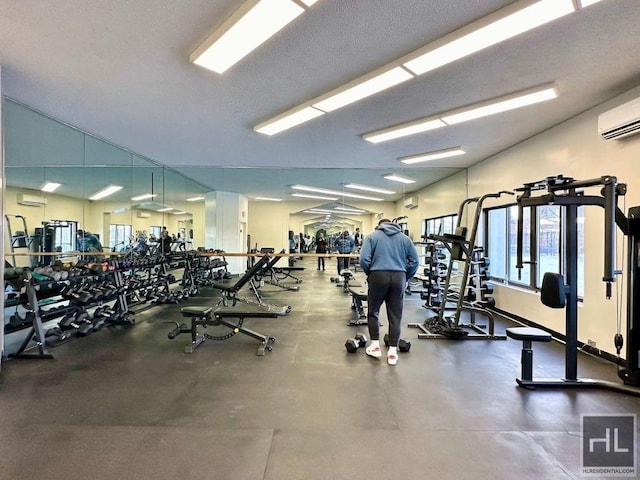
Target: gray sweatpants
388, 287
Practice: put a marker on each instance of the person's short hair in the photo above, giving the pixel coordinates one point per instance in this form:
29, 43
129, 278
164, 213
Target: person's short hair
384, 220
80, 232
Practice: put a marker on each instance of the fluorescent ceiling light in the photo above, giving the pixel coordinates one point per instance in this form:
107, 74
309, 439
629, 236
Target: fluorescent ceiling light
178, 213
398, 178
366, 188
308, 3
334, 192
586, 3
267, 199
287, 120
478, 36
317, 197
354, 91
165, 209
506, 23
50, 187
419, 126
502, 104
143, 197
195, 199
425, 157
105, 192
346, 209
249, 27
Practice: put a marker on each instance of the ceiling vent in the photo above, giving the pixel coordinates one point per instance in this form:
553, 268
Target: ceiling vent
411, 202
621, 121
31, 200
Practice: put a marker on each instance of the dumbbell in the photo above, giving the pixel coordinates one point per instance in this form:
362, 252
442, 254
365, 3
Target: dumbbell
403, 345
353, 344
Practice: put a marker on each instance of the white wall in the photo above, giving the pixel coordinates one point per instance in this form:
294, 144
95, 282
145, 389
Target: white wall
573, 149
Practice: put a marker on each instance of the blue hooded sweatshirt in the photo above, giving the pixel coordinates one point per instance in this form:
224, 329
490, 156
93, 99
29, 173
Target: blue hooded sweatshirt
388, 249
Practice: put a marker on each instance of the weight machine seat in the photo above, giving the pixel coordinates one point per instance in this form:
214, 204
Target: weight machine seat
345, 272
357, 291
198, 312
288, 269
250, 311
528, 334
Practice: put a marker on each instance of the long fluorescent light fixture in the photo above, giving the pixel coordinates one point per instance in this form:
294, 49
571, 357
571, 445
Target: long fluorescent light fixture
398, 178
316, 197
334, 192
490, 107
287, 120
105, 192
357, 90
319, 210
195, 199
503, 104
425, 157
165, 209
50, 187
249, 27
366, 188
269, 199
178, 213
144, 197
586, 3
411, 128
501, 25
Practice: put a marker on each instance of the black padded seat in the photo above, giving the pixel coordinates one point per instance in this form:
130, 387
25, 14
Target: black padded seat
196, 311
528, 333
358, 291
355, 284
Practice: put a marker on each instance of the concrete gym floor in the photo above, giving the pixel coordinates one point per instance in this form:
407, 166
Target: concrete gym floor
129, 404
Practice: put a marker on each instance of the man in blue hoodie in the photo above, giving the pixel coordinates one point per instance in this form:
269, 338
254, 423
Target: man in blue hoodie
389, 259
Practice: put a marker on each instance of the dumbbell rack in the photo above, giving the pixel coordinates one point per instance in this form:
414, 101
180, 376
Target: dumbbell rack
479, 288
433, 274
461, 251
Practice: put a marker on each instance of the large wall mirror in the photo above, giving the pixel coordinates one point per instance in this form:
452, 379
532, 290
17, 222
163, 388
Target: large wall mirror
61, 180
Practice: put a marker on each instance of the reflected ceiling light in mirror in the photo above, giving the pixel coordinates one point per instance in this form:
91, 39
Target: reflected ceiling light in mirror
249, 27
165, 209
105, 192
334, 192
316, 197
268, 199
319, 210
195, 199
398, 178
144, 197
178, 213
425, 157
347, 209
366, 188
50, 187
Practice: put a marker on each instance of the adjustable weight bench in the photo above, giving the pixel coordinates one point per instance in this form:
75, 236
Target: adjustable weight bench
358, 295
230, 288
206, 316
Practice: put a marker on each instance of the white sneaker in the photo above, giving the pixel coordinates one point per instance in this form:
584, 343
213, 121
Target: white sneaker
373, 351
392, 358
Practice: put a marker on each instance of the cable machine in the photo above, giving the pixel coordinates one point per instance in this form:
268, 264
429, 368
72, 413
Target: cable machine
569, 193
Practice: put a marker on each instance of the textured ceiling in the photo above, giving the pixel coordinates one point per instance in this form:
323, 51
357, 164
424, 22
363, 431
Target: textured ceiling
120, 70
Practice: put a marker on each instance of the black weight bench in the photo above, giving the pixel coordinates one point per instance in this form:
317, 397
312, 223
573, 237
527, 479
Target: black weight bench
230, 288
206, 316
527, 335
359, 295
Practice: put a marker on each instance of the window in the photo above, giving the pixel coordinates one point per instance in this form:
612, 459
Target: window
440, 225
542, 246
155, 231
64, 234
119, 236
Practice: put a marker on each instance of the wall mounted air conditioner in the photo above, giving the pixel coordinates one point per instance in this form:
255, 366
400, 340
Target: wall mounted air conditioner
621, 121
31, 200
143, 214
411, 202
